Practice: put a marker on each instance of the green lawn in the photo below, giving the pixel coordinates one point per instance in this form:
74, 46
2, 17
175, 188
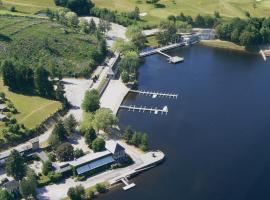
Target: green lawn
32, 109
227, 8
29, 6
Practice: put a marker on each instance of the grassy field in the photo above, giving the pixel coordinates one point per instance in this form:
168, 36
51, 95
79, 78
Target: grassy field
29, 6
32, 109
34, 40
227, 8
222, 44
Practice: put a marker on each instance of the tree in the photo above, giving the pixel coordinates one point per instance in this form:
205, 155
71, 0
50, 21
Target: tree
135, 34
84, 26
65, 152
91, 101
130, 63
81, 7
104, 24
78, 153
76, 193
5, 195
47, 167
70, 124
92, 26
167, 33
42, 83
28, 185
101, 188
89, 194
104, 119
199, 21
90, 136
15, 165
9, 74
121, 46
98, 145
72, 19
128, 133
58, 135
217, 14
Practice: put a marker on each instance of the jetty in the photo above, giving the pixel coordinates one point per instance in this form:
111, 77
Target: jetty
171, 59
151, 110
265, 54
127, 184
155, 94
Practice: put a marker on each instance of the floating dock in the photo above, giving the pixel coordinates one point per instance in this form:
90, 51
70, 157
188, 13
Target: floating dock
146, 109
171, 59
265, 54
155, 94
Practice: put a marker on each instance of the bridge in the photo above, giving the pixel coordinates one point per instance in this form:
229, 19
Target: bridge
155, 94
156, 111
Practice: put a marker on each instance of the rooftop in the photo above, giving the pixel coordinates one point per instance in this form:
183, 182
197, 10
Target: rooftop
113, 147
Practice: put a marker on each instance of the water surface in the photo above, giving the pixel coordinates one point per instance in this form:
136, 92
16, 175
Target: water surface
216, 135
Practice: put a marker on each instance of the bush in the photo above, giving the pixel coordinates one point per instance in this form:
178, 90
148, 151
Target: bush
101, 188
78, 153
43, 181
55, 176
47, 167
98, 144
76, 193
65, 152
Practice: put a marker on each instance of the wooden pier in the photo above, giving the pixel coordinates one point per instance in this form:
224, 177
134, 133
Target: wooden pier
265, 54
171, 59
127, 184
164, 48
155, 94
146, 109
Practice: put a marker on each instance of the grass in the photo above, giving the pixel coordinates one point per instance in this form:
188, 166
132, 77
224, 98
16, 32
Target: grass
29, 6
152, 41
32, 109
222, 44
227, 8
34, 40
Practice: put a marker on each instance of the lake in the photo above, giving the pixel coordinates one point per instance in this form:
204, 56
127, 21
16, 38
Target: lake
216, 135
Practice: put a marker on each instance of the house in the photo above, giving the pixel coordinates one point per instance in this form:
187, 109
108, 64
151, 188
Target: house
118, 151
3, 118
3, 108
90, 163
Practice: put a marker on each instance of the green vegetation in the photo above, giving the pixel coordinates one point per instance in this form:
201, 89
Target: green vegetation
164, 8
58, 136
91, 101
136, 138
222, 44
32, 110
28, 185
76, 193
59, 48
65, 152
81, 7
98, 144
104, 120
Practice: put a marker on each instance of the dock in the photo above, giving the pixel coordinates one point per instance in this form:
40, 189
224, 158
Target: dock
151, 110
155, 94
127, 184
265, 54
171, 59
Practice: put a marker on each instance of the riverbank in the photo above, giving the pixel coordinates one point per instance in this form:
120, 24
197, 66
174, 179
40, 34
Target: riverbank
223, 45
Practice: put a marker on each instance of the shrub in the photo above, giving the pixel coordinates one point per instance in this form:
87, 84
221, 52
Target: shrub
101, 188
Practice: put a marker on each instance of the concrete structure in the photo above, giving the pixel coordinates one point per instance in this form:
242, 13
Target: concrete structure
116, 149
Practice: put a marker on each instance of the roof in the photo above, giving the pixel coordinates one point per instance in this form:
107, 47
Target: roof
3, 106
86, 159
95, 164
114, 147
2, 116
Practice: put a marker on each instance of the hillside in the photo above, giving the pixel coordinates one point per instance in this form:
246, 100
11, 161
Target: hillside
227, 8
36, 40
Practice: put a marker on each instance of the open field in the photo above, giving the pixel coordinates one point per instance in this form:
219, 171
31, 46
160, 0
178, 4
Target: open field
227, 8
29, 39
32, 109
29, 6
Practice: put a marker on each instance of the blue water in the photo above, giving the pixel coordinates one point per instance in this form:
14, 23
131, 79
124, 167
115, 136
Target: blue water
216, 135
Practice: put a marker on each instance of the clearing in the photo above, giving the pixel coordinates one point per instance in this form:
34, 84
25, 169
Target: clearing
32, 109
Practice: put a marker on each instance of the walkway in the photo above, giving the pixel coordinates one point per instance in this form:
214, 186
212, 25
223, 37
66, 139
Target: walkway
114, 95
164, 48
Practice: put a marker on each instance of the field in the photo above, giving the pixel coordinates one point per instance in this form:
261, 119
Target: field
32, 109
29, 6
227, 8
35, 40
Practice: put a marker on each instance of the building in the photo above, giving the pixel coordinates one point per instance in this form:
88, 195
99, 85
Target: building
3, 108
94, 162
3, 118
116, 149
28, 149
